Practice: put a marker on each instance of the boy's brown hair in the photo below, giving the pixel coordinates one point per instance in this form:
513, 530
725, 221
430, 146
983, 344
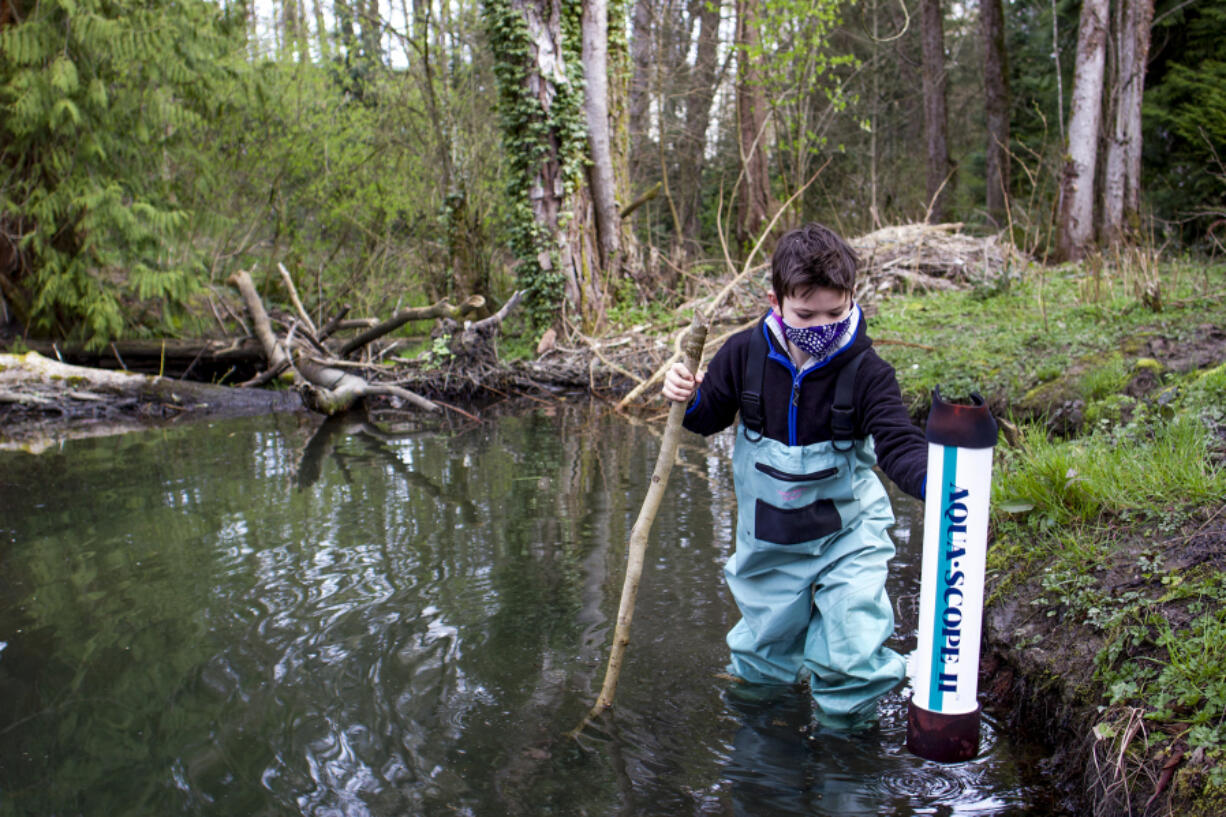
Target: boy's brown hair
812, 256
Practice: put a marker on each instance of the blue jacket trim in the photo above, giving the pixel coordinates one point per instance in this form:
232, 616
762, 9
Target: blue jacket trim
694, 402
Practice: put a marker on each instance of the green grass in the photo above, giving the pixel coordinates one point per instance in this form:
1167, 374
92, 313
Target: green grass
1134, 471
1004, 341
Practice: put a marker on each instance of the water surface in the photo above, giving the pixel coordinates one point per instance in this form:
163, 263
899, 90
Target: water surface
267, 617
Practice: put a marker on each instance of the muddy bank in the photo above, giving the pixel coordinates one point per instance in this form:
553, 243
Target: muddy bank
1041, 675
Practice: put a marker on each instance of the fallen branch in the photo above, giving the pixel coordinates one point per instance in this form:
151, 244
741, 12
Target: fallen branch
326, 389
274, 352
442, 309
295, 300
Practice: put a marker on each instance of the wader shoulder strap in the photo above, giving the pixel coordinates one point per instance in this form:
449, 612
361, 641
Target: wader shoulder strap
755, 377
843, 411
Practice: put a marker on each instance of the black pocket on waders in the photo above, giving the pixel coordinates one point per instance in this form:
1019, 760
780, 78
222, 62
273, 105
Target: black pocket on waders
784, 476
791, 526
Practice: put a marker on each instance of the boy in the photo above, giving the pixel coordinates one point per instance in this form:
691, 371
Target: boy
818, 409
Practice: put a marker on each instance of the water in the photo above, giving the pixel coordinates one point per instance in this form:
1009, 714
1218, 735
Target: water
261, 617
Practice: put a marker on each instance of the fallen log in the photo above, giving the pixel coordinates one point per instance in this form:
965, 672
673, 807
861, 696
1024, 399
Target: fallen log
33, 386
202, 359
325, 388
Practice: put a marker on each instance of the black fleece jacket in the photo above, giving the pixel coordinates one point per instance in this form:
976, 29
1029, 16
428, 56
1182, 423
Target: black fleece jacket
902, 450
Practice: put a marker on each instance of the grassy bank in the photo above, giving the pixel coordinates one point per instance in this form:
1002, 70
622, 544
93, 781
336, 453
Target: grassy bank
1107, 570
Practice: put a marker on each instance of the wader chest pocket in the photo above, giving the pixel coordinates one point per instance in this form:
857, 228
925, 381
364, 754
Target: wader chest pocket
791, 526
771, 471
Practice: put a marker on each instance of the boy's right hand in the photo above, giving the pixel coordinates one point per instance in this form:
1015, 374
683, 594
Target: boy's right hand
679, 384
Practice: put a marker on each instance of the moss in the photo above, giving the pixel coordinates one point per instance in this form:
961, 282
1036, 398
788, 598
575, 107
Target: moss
1194, 793
1113, 409
1208, 388
1134, 344
1148, 364
1046, 397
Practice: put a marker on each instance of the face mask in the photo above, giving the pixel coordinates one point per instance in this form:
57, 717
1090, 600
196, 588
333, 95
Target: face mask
818, 340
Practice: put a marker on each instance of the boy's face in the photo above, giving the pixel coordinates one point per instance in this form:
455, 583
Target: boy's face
814, 307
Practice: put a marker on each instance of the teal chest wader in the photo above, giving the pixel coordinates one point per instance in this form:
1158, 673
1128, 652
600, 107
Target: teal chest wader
811, 556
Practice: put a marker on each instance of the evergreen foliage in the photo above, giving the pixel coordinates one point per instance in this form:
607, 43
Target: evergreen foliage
1184, 118
95, 97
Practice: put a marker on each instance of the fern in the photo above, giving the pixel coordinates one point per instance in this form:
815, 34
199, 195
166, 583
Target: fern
92, 95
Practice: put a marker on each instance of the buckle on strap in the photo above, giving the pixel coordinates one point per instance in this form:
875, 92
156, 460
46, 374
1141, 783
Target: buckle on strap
842, 427
751, 413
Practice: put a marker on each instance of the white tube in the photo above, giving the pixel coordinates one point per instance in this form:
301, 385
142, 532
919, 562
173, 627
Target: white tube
945, 666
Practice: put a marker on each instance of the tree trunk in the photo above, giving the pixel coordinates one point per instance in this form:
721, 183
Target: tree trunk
996, 107
540, 107
285, 41
693, 143
1116, 136
1121, 185
301, 41
1142, 23
940, 179
321, 32
640, 89
755, 196
345, 13
1076, 225
39, 384
619, 139
372, 48
596, 106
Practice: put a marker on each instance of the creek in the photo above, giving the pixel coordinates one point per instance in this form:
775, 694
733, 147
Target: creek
263, 617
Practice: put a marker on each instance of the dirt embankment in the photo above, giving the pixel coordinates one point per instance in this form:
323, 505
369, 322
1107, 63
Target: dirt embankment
1044, 656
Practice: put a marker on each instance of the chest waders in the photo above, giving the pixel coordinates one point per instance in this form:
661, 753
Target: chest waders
811, 554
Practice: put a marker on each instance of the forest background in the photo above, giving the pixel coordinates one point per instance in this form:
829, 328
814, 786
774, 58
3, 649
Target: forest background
603, 156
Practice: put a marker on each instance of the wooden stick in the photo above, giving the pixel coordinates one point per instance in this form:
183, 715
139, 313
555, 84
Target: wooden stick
295, 300
694, 341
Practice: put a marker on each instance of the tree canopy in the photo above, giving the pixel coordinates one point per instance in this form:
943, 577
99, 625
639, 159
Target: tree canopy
395, 150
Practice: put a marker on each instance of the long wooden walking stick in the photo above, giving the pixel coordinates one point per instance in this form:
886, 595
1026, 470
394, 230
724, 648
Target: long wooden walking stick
691, 347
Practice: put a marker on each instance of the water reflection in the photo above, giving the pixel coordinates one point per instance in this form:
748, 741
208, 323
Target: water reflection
277, 617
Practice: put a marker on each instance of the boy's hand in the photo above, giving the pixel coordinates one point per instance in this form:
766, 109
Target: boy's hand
679, 384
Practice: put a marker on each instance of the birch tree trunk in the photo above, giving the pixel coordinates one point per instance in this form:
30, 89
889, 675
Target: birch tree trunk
596, 106
940, 181
755, 195
1076, 224
996, 107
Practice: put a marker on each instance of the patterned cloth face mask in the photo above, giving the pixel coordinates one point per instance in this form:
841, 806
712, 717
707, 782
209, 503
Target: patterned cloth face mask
818, 340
